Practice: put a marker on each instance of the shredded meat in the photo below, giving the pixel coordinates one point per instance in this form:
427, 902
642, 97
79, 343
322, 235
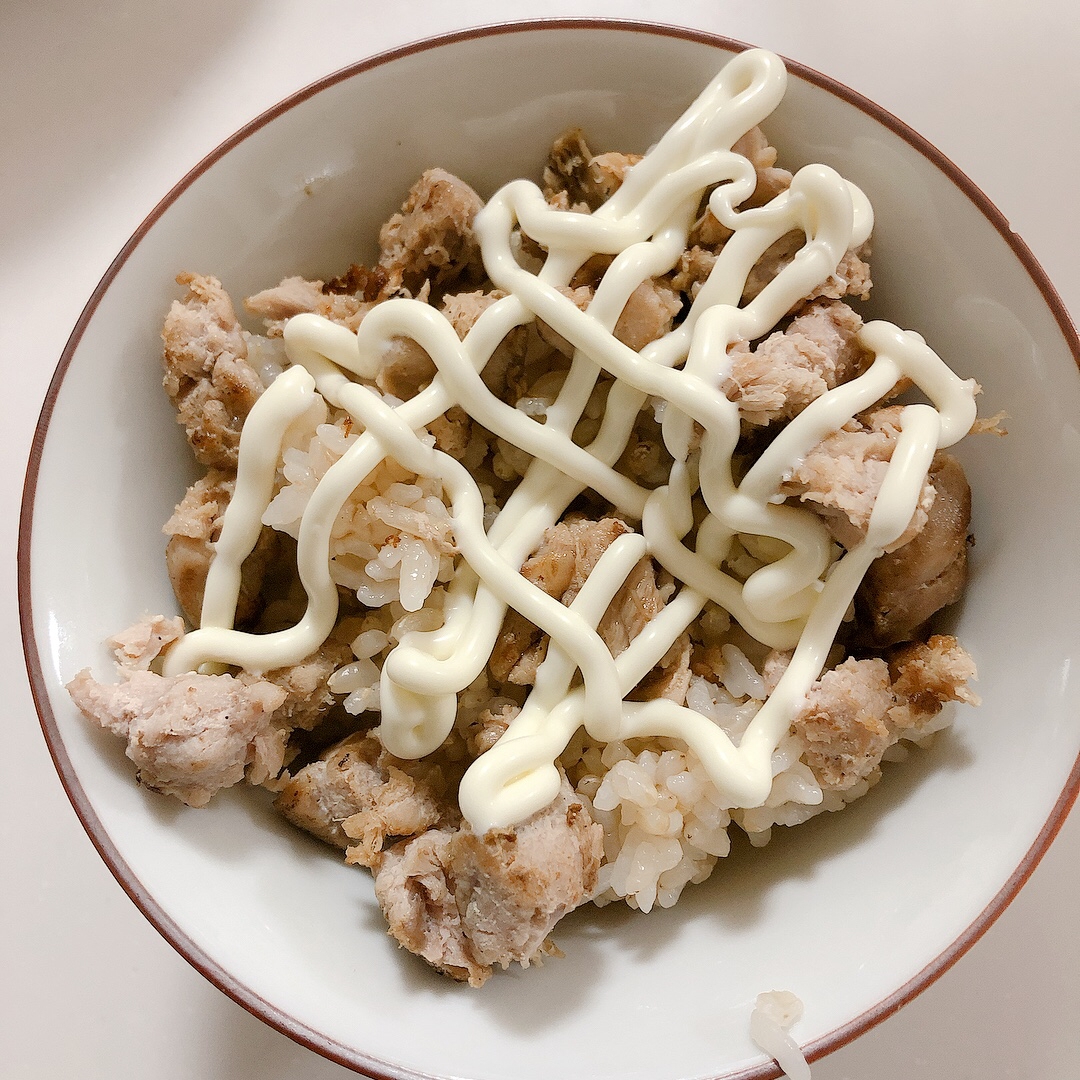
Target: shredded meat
189, 735
904, 589
452, 431
708, 233
307, 697
844, 722
405, 368
140, 645
854, 712
192, 530
489, 726
297, 295
842, 475
649, 314
432, 237
851, 277
585, 179
357, 797
560, 566
207, 375
789, 369
924, 675
466, 903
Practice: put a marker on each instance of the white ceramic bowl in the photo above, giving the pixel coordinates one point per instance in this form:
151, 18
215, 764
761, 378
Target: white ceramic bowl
856, 912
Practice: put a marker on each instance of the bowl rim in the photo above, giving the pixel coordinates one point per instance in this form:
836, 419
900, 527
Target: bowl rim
254, 1003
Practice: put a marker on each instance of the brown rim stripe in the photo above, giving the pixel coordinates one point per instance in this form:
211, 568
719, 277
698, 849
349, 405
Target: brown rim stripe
243, 995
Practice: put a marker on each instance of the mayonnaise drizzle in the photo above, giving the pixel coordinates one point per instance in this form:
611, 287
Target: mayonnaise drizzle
794, 602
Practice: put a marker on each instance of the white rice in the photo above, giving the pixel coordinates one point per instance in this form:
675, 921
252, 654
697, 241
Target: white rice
392, 540
378, 632
774, 1014
665, 823
267, 356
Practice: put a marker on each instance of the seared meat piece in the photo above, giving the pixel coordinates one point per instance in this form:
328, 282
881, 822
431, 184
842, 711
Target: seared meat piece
560, 565
193, 734
637, 602
770, 180
649, 314
512, 886
842, 475
924, 675
708, 234
463, 309
297, 295
405, 368
292, 296
189, 735
583, 178
854, 712
851, 277
789, 369
568, 553
140, 645
416, 893
903, 589
466, 903
582, 296
518, 652
693, 268
358, 792
207, 375
307, 698
432, 237
671, 677
489, 726
192, 530
452, 432
844, 722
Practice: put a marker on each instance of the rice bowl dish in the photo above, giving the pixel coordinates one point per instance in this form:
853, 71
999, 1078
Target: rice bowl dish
740, 678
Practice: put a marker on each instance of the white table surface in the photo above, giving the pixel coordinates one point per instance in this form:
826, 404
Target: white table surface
103, 107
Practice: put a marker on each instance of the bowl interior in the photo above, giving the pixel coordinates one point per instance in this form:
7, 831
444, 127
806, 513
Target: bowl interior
846, 910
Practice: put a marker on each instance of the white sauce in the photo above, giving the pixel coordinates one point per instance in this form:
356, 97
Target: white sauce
796, 601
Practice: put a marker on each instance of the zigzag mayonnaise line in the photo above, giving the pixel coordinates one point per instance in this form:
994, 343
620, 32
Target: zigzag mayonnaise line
796, 601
